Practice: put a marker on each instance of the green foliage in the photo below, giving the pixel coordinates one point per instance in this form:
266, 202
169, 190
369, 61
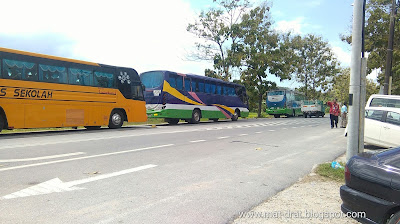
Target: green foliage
218, 30
376, 40
315, 65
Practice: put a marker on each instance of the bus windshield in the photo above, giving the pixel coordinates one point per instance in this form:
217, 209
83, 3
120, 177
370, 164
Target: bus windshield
152, 79
275, 93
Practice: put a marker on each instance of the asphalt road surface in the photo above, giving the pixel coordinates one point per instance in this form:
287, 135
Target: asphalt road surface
205, 173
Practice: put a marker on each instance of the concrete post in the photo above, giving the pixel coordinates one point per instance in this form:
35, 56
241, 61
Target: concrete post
355, 81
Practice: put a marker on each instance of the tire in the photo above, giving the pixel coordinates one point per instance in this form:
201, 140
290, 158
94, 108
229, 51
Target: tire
304, 115
116, 119
196, 115
93, 127
214, 119
235, 116
1, 122
172, 121
277, 116
395, 219
294, 113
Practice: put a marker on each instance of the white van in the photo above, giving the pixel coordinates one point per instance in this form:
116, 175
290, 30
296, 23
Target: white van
382, 121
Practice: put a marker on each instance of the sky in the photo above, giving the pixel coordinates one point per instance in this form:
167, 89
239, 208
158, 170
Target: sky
150, 35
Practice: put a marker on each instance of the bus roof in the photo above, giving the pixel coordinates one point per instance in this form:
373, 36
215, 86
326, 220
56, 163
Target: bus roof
198, 76
46, 56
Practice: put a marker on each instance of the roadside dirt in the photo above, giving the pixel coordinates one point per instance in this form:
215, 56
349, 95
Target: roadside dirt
313, 199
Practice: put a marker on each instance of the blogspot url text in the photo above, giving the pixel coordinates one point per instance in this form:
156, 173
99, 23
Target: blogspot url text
301, 214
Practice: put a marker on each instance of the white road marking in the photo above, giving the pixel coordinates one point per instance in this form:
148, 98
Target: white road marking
41, 158
284, 128
271, 130
56, 185
223, 137
258, 132
195, 141
243, 134
85, 157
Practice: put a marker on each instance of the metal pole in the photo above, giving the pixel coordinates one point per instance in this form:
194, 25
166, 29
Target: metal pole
363, 96
389, 55
355, 81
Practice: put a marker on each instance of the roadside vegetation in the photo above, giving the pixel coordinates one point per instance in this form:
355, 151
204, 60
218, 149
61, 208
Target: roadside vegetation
326, 170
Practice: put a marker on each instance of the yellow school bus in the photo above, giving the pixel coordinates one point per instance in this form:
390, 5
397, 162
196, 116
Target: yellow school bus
39, 91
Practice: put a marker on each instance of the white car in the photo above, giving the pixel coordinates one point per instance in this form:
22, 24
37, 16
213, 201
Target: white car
382, 121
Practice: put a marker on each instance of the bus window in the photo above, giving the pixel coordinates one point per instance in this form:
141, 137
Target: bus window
179, 83
55, 74
207, 87
102, 79
201, 86
212, 88
226, 91
137, 91
19, 70
172, 81
219, 90
195, 86
187, 85
80, 77
152, 79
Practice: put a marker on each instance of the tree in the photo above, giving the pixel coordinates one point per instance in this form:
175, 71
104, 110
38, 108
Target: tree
341, 83
218, 30
261, 52
316, 65
376, 40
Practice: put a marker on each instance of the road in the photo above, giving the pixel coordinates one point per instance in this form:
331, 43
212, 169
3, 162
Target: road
205, 173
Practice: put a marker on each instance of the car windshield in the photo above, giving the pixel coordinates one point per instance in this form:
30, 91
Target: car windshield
152, 80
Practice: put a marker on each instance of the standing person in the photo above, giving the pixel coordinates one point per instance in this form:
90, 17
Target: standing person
334, 112
343, 123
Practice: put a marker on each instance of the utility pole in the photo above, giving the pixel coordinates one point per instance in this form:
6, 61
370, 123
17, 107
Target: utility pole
355, 81
389, 55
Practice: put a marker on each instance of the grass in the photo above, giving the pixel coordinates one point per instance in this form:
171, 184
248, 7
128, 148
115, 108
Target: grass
255, 115
326, 170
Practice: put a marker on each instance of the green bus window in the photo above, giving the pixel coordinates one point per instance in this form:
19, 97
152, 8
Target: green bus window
19, 70
55, 74
105, 80
80, 77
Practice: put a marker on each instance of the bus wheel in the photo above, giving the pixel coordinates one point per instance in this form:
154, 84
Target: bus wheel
1, 122
172, 121
116, 119
276, 115
195, 117
93, 127
235, 116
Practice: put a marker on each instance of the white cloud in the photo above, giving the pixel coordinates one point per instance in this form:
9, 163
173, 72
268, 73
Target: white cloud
343, 56
145, 35
293, 26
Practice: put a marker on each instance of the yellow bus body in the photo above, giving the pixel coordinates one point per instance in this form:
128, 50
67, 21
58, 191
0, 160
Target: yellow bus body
35, 104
